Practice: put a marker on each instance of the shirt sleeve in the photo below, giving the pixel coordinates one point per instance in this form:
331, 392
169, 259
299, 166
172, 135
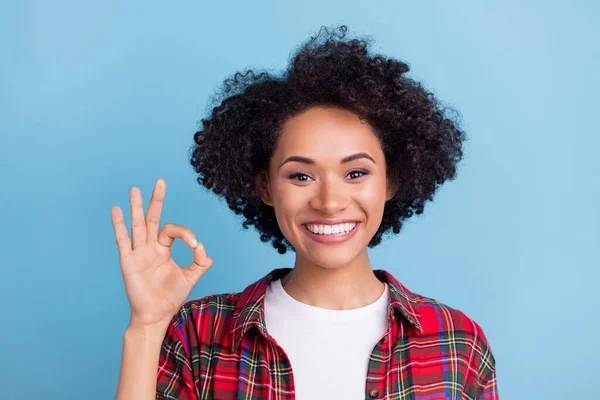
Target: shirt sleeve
175, 379
489, 390
487, 375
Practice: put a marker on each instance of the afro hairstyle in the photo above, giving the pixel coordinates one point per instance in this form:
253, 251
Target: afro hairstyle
421, 142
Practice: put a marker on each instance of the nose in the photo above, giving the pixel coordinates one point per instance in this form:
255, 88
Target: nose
330, 198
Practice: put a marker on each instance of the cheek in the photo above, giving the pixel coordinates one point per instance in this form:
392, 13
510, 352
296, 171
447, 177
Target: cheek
372, 198
288, 204
371, 201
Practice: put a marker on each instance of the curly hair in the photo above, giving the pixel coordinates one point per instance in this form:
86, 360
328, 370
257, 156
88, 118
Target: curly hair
421, 142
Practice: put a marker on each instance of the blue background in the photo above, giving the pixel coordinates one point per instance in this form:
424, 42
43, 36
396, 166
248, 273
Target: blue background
96, 97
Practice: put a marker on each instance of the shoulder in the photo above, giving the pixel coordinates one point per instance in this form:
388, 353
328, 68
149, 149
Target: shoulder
436, 315
203, 320
454, 325
205, 308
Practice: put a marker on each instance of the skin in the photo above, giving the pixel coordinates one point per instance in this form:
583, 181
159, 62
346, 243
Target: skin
333, 276
324, 275
155, 285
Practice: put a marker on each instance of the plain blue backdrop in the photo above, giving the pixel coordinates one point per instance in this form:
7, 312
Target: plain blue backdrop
96, 97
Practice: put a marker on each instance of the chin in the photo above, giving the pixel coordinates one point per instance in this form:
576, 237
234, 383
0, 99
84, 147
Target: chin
332, 259
329, 256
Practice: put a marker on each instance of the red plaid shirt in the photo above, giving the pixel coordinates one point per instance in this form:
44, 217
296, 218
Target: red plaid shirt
217, 347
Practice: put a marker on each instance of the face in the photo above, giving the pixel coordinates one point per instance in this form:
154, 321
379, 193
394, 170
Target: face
327, 183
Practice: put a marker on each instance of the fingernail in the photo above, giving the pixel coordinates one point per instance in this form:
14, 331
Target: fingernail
194, 242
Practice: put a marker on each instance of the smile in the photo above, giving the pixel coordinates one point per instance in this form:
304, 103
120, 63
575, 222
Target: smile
331, 234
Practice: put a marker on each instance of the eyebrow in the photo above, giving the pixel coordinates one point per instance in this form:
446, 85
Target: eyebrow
310, 161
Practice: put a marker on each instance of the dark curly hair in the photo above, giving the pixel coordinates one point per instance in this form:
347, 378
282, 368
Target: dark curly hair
421, 142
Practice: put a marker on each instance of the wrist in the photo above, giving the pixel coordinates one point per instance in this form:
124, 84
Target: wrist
156, 331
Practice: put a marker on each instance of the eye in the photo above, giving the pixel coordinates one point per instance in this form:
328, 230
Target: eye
357, 173
298, 175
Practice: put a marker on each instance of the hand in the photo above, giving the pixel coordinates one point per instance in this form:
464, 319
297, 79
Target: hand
156, 286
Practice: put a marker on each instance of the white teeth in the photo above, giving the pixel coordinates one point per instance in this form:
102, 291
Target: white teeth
331, 229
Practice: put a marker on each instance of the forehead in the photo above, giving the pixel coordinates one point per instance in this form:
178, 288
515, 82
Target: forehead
322, 131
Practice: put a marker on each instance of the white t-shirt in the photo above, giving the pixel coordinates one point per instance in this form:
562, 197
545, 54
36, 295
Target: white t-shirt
328, 349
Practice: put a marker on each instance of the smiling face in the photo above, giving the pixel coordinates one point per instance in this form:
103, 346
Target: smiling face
327, 169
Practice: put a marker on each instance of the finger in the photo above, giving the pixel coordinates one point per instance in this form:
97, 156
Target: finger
121, 235
138, 223
202, 262
154, 211
170, 231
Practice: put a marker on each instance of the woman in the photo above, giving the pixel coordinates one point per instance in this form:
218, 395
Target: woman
322, 160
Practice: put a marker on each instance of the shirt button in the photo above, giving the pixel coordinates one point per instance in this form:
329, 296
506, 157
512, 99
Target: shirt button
374, 393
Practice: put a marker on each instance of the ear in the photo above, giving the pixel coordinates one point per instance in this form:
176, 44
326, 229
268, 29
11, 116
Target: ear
264, 188
392, 189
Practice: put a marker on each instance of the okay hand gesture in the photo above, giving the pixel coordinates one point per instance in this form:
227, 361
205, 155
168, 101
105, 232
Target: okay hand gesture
156, 286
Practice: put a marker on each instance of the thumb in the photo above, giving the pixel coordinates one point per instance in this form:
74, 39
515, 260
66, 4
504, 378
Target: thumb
202, 262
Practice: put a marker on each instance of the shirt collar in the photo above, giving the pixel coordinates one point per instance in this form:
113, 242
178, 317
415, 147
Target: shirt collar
249, 310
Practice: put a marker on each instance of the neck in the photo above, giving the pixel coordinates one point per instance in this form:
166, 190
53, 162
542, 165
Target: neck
352, 286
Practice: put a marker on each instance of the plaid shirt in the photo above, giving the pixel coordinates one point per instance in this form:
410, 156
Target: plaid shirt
217, 347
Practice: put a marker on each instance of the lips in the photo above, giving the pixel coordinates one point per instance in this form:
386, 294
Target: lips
334, 238
330, 221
